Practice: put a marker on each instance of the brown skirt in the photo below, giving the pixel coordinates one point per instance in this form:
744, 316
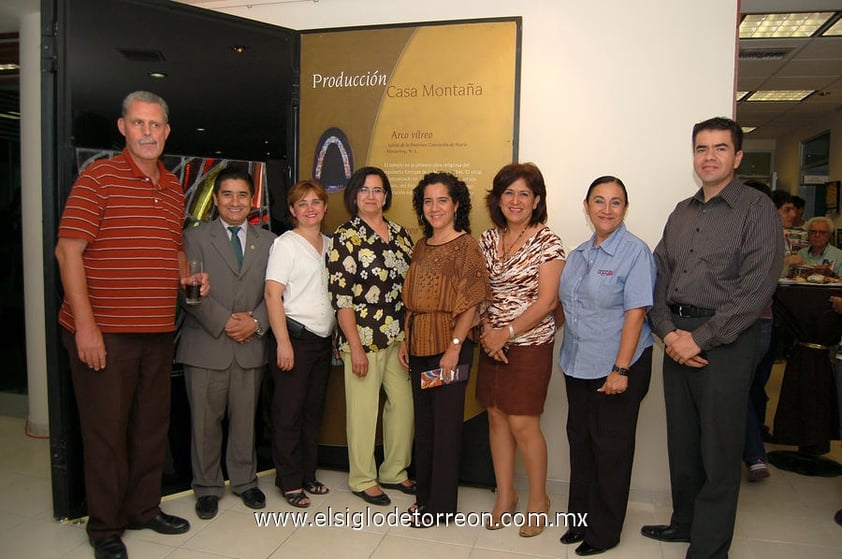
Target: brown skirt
519, 387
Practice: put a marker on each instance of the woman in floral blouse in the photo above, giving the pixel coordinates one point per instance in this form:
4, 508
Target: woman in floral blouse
367, 264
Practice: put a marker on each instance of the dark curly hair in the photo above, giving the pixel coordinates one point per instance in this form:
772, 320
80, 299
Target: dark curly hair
458, 192
531, 175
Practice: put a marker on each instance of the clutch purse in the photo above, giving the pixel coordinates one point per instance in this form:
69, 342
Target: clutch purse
295, 328
440, 377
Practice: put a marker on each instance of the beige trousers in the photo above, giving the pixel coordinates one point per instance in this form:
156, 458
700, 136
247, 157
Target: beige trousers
362, 399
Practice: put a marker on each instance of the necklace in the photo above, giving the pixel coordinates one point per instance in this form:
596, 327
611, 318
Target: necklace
506, 251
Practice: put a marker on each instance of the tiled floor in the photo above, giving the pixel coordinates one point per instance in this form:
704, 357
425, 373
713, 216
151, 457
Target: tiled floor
786, 516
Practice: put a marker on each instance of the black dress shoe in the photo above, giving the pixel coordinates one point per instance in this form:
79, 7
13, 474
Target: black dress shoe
207, 506
665, 533
164, 524
253, 498
408, 489
587, 549
110, 547
572, 536
380, 500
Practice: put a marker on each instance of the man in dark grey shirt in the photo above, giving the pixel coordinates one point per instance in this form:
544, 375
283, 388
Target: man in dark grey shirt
718, 264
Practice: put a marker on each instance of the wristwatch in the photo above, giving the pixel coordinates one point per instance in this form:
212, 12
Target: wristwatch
258, 329
620, 370
456, 341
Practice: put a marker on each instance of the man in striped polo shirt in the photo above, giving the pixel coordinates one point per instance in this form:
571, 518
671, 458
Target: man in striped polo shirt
120, 252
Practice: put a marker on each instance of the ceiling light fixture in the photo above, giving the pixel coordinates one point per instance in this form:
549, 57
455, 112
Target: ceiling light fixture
749, 129
780, 95
782, 26
157, 75
835, 29
741, 94
9, 67
239, 49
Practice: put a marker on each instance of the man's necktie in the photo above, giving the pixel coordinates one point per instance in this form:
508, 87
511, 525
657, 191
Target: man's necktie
238, 247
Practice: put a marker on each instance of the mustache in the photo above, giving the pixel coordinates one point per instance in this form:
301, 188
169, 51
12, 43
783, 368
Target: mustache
144, 141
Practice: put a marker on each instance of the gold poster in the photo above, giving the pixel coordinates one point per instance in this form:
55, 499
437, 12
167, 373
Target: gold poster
410, 100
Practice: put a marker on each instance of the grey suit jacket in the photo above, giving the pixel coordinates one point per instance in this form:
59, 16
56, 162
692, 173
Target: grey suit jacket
203, 340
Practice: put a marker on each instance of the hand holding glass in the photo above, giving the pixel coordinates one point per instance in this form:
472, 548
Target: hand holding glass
192, 287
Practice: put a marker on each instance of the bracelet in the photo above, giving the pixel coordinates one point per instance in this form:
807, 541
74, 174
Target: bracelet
620, 371
511, 331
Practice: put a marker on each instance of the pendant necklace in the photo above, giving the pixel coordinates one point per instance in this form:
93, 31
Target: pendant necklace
506, 251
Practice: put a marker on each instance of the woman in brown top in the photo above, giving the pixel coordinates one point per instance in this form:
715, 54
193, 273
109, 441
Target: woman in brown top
524, 261
444, 285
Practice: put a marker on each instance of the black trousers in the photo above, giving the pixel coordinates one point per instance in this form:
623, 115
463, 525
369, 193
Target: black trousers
439, 416
601, 432
706, 415
297, 402
124, 413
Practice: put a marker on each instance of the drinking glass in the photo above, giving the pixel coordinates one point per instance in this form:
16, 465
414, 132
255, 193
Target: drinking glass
192, 295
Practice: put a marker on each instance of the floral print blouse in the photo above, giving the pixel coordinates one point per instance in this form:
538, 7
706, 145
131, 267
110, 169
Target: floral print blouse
366, 273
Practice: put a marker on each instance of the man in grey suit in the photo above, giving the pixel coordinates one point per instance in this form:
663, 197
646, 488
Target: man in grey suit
222, 344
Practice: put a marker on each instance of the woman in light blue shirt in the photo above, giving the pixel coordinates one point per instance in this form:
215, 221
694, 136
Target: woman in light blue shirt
606, 290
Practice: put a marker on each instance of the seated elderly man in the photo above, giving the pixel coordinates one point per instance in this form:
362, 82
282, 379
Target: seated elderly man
820, 252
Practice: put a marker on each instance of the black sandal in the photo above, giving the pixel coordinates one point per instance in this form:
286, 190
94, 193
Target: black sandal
316, 487
402, 487
297, 498
417, 517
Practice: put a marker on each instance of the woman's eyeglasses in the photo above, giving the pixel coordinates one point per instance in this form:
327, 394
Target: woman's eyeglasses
366, 190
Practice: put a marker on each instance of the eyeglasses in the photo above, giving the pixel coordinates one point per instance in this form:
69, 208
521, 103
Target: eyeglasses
366, 190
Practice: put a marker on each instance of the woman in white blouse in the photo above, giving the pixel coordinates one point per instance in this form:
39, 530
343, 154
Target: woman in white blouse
302, 322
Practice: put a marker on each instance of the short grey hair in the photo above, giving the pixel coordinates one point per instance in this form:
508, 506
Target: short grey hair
146, 97
826, 219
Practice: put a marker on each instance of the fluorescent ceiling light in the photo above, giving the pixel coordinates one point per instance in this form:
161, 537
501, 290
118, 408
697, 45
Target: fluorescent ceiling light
747, 129
9, 67
782, 26
741, 94
780, 95
835, 29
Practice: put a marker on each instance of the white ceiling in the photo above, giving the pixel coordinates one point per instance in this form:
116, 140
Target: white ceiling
810, 64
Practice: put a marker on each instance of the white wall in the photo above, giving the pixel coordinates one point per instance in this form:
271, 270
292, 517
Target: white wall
608, 87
